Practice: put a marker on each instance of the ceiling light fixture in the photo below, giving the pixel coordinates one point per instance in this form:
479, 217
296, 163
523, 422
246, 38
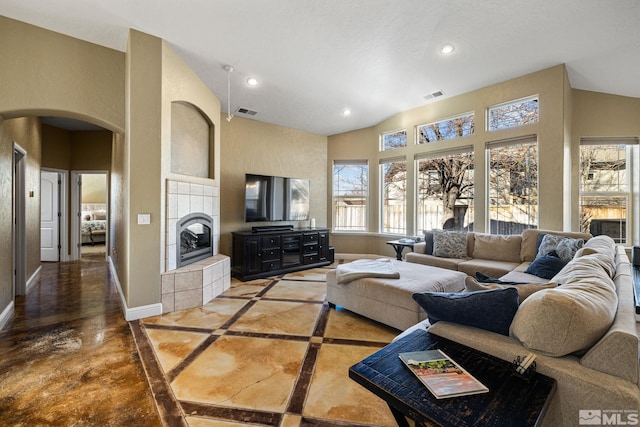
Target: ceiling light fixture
447, 49
229, 70
346, 112
252, 81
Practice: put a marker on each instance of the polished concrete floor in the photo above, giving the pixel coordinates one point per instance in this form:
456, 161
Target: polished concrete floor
266, 353
67, 358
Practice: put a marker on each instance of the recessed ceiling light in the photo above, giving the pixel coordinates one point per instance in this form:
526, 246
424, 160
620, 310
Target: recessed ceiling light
346, 112
447, 49
252, 81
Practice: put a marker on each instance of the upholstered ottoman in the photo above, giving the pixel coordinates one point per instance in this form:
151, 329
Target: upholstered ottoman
390, 301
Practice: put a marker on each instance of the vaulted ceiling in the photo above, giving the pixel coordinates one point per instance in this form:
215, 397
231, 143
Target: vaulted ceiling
315, 58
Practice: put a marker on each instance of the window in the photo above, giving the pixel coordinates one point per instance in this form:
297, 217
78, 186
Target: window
444, 191
393, 176
455, 127
514, 113
395, 139
513, 185
350, 195
606, 186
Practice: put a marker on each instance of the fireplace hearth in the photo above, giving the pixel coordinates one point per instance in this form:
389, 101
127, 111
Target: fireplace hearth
194, 233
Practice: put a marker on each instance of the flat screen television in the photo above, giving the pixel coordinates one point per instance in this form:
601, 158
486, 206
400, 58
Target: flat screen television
275, 198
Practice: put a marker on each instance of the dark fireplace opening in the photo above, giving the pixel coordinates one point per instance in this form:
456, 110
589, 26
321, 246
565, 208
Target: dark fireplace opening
194, 232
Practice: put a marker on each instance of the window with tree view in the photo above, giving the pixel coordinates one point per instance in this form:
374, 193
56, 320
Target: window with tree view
350, 195
605, 186
444, 191
512, 114
513, 185
455, 127
395, 139
393, 176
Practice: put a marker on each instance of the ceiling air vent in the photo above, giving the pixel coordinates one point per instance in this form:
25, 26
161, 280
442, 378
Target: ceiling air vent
434, 95
246, 111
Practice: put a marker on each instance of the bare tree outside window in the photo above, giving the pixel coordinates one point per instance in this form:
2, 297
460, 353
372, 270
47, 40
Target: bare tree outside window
391, 140
516, 113
456, 127
445, 192
513, 188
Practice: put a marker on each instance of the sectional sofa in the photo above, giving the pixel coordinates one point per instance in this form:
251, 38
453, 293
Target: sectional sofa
583, 331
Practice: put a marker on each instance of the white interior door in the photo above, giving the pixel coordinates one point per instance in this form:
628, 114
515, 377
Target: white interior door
49, 217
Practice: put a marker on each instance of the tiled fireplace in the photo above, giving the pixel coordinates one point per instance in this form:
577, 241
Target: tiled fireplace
197, 283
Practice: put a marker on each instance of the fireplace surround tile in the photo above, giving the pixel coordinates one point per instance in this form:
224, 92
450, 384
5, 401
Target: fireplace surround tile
194, 284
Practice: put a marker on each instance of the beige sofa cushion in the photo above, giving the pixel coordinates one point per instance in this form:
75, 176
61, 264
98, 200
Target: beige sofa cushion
491, 268
525, 290
529, 247
572, 317
497, 247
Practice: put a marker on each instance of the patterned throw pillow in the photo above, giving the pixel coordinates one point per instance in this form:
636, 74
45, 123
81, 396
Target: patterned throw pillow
565, 247
450, 244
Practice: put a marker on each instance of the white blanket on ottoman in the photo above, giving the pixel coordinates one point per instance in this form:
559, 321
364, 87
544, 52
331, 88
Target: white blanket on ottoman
366, 268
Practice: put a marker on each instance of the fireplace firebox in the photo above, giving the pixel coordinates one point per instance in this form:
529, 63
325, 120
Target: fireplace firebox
194, 233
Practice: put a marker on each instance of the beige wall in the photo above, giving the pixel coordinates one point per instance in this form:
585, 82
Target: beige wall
94, 188
90, 150
143, 148
56, 148
549, 85
26, 133
53, 74
249, 146
6, 213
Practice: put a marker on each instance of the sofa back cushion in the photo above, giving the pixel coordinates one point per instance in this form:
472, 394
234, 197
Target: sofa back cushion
529, 247
572, 317
499, 247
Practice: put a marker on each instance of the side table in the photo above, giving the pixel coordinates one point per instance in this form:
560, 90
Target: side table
399, 245
511, 401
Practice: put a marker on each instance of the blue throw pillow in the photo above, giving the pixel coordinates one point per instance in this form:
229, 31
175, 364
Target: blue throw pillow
428, 241
492, 310
546, 266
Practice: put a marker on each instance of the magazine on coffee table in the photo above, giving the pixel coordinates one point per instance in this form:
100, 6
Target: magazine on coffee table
442, 376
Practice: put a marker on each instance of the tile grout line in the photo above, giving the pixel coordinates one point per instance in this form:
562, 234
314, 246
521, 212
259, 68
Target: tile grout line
168, 407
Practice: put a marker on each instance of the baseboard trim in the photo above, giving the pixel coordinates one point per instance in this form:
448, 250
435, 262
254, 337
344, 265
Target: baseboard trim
134, 313
34, 277
6, 315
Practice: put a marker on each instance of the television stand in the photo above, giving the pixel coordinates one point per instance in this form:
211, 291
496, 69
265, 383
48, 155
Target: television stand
271, 252
269, 228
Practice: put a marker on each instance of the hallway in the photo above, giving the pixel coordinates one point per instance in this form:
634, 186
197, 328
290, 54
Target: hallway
68, 357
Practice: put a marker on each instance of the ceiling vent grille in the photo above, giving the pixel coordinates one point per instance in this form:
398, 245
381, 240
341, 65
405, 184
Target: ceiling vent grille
246, 111
434, 95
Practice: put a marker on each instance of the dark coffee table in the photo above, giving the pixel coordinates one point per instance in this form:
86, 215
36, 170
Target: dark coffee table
511, 401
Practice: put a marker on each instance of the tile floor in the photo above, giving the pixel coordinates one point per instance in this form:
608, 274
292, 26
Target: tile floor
266, 353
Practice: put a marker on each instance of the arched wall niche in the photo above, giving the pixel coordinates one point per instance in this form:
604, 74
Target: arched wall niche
192, 141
